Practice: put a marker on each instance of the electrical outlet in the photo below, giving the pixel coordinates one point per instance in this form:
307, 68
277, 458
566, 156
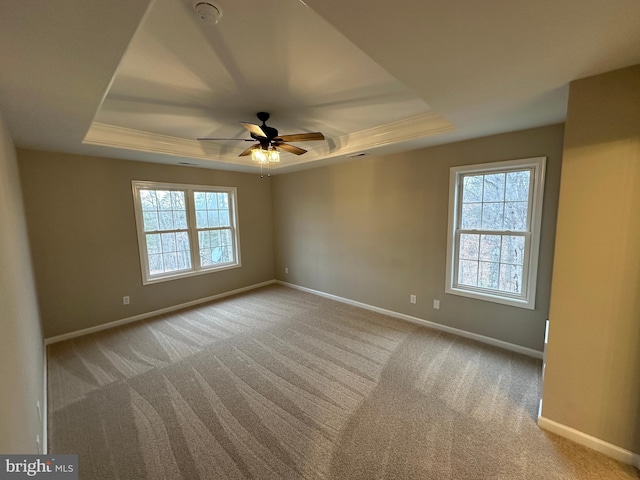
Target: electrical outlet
286, 269
126, 300
412, 299
436, 304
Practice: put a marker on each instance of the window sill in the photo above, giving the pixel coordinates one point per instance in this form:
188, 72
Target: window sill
488, 297
179, 275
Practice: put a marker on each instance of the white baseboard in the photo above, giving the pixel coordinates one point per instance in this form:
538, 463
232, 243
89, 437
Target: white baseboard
620, 454
142, 316
436, 326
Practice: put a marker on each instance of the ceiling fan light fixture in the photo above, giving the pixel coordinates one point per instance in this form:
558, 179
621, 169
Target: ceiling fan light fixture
273, 155
259, 155
265, 156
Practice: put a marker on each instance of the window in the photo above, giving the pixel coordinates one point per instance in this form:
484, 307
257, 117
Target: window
495, 211
185, 230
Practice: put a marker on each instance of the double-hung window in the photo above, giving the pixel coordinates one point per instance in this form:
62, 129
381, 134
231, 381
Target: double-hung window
185, 230
495, 213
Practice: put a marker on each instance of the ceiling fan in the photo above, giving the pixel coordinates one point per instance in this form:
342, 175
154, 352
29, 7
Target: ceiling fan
269, 140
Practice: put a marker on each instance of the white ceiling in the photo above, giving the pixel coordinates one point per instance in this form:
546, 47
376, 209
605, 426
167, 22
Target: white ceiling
141, 80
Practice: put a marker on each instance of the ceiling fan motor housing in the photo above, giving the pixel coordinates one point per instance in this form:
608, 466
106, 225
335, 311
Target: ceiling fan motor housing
269, 131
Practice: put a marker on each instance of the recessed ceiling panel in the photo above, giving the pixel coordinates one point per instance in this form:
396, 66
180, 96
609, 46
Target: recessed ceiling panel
182, 78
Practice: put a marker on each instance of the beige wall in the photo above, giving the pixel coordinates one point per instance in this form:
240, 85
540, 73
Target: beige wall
375, 231
21, 343
83, 237
592, 381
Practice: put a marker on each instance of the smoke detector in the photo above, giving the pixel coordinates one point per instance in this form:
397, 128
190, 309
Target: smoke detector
207, 12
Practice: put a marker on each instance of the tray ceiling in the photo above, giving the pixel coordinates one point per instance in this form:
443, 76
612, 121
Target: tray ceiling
140, 79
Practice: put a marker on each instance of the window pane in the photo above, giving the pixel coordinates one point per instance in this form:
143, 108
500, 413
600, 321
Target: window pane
201, 219
224, 218
469, 246
170, 262
215, 247
223, 201
517, 187
164, 199
490, 248
182, 241
510, 278
163, 210
489, 275
155, 264
218, 249
472, 188
204, 240
471, 216
200, 200
212, 201
180, 220
215, 238
150, 221
493, 188
515, 216
153, 244
492, 216
225, 237
168, 242
148, 200
512, 249
497, 254
184, 260
177, 200
212, 216
227, 254
205, 257
165, 220
468, 272
212, 209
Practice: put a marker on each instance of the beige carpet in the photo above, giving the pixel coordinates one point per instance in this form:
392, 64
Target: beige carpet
278, 383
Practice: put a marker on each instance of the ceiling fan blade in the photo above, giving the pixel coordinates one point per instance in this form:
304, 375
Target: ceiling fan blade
290, 148
216, 138
300, 137
248, 150
255, 129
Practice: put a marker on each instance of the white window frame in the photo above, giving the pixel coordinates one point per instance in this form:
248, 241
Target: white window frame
532, 235
196, 267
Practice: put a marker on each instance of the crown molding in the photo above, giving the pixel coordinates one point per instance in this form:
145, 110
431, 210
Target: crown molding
408, 129
113, 136
413, 128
